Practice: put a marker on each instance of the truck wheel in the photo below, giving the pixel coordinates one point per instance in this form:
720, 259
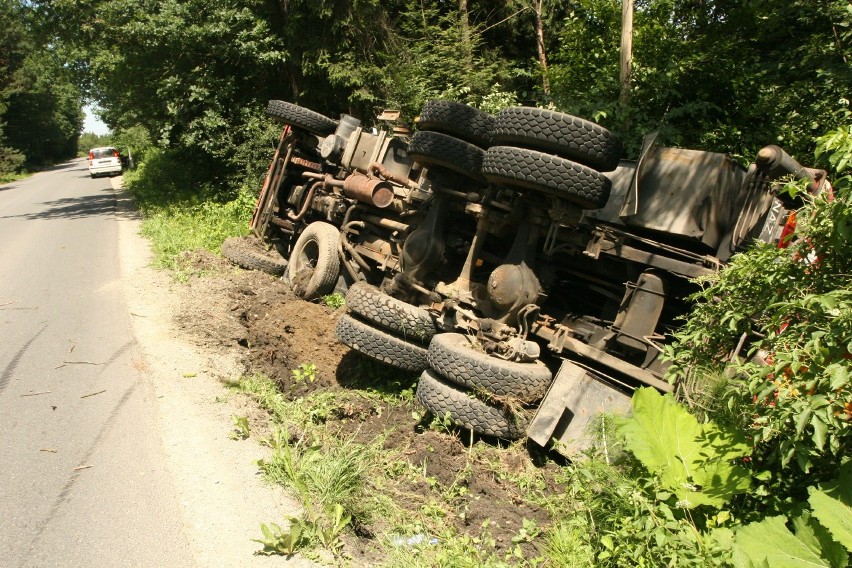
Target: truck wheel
248, 253
459, 120
314, 265
300, 117
445, 399
408, 322
561, 134
453, 356
528, 169
380, 345
436, 149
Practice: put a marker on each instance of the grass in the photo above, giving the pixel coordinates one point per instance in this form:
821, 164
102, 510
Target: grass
11, 177
182, 214
368, 484
323, 475
334, 301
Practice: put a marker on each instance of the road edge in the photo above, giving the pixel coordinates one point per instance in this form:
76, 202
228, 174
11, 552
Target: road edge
223, 498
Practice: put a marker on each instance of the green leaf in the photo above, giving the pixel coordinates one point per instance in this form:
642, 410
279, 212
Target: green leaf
820, 431
720, 480
693, 461
770, 542
802, 420
841, 488
661, 434
819, 540
834, 515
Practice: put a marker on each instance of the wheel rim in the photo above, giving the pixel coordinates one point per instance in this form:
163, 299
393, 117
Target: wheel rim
308, 257
304, 266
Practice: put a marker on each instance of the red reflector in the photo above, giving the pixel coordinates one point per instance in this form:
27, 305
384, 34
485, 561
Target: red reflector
787, 232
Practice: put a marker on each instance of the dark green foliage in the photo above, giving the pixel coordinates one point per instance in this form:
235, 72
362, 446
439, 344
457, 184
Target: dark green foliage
790, 392
40, 107
618, 516
724, 76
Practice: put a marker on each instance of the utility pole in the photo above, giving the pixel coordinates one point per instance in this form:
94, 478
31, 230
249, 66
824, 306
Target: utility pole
538, 7
467, 48
626, 50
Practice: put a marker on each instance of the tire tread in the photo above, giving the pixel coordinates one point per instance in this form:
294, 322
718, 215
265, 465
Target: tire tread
562, 134
246, 254
547, 173
379, 345
300, 117
442, 398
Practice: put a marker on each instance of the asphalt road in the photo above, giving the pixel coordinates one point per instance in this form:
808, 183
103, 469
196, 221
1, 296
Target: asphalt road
83, 480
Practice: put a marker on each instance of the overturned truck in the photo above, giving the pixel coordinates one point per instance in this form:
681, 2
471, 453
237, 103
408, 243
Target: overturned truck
527, 272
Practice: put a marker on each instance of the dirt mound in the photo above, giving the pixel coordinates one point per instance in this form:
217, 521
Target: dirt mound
272, 331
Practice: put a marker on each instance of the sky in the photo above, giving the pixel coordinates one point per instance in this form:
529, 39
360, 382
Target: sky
93, 123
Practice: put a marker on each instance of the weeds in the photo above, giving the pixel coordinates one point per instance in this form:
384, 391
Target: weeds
181, 213
334, 301
276, 540
350, 487
330, 481
241, 429
306, 533
447, 549
304, 372
10, 177
325, 476
303, 413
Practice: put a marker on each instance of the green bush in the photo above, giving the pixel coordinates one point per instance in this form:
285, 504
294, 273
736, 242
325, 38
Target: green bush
181, 212
790, 391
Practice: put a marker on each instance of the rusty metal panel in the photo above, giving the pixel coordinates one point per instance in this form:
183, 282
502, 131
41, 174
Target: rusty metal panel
395, 158
621, 178
687, 193
575, 398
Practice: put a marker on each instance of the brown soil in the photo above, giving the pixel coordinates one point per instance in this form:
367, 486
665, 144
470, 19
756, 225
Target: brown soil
256, 317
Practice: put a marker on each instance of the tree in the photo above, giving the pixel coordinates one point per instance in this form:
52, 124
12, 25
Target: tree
40, 108
727, 76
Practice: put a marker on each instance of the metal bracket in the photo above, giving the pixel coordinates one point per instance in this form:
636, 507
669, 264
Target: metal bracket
594, 246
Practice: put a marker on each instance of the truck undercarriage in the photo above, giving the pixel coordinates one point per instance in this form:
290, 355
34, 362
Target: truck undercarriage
528, 273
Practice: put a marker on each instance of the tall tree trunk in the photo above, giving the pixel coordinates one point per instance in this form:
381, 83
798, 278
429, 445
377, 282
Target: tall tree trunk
538, 6
626, 50
467, 48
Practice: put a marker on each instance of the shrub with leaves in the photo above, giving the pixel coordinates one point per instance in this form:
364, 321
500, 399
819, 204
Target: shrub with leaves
790, 391
665, 502
821, 536
696, 463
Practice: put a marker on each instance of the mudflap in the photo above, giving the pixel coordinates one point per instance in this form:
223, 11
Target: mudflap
575, 397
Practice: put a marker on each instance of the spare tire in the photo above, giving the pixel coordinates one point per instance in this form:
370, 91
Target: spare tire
459, 120
300, 117
314, 266
445, 399
400, 318
558, 133
247, 253
528, 169
452, 355
380, 345
435, 149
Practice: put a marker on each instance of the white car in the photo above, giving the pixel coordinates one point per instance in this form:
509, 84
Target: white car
104, 161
